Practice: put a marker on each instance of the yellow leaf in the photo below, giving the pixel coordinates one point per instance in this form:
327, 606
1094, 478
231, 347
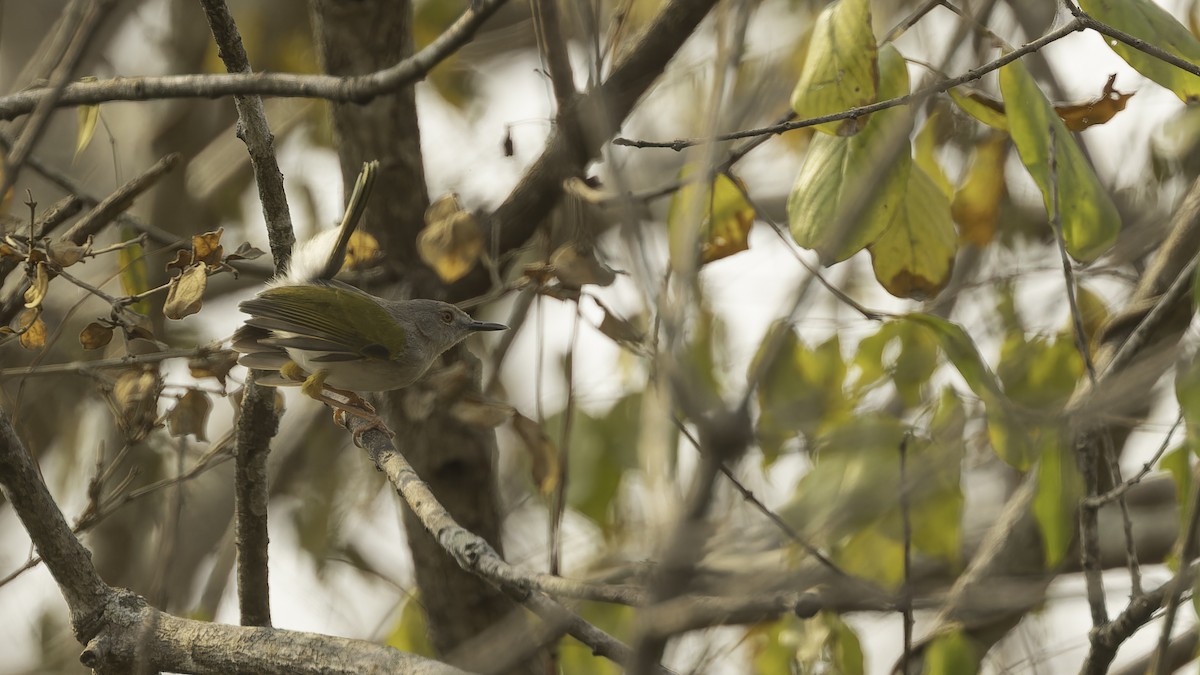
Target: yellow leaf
87, 116
726, 216
32, 329
977, 202
914, 257
135, 401
831, 182
207, 247
36, 293
840, 70
452, 240
1089, 218
185, 296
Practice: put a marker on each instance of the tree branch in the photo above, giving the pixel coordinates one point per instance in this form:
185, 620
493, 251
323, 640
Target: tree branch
259, 421
360, 89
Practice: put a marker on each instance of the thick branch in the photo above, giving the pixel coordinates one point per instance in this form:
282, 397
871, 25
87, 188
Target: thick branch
69, 562
582, 128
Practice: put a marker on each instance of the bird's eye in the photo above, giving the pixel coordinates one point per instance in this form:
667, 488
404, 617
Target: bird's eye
447, 317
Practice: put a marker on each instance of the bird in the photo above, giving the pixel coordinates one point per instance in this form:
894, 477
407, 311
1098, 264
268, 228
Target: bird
309, 330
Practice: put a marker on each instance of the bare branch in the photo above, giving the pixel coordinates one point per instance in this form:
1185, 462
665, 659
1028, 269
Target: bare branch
359, 89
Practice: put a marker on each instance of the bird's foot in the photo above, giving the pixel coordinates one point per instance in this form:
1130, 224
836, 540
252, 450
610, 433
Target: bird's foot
359, 407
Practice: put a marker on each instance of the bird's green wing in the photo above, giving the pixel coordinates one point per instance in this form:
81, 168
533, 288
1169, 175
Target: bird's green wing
338, 317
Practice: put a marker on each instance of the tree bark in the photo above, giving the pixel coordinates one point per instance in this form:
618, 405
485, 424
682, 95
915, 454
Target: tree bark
455, 459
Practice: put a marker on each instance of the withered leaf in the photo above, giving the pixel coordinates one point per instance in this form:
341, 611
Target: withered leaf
39, 284
95, 335
452, 240
574, 267
186, 293
182, 260
245, 252
190, 415
32, 329
207, 247
135, 401
213, 364
65, 253
542, 453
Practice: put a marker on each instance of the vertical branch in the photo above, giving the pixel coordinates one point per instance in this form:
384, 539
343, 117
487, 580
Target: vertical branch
564, 450
1089, 526
259, 422
553, 45
1182, 581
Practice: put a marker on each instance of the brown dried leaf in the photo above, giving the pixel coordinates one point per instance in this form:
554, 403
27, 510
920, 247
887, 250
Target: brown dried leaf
542, 452
574, 267
135, 401
245, 252
213, 364
39, 284
95, 335
32, 329
207, 247
587, 191
620, 330
181, 262
452, 240
66, 253
1079, 116
190, 415
186, 293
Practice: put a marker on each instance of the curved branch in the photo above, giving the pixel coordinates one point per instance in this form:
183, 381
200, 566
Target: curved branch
358, 89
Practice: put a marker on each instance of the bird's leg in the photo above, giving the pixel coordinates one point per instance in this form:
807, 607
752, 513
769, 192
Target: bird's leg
314, 387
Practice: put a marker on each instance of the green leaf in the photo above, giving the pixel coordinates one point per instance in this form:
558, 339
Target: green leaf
952, 653
1187, 391
1146, 20
1090, 221
915, 256
845, 649
962, 352
832, 184
603, 449
840, 70
925, 147
802, 393
1059, 489
135, 279
616, 620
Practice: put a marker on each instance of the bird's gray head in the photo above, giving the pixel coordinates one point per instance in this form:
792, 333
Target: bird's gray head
438, 325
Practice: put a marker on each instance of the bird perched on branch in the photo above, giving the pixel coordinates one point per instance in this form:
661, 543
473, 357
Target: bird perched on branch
328, 337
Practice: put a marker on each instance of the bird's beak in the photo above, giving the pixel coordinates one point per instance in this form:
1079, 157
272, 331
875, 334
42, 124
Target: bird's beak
486, 325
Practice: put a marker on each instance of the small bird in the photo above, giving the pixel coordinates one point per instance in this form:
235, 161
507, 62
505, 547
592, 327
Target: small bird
326, 336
